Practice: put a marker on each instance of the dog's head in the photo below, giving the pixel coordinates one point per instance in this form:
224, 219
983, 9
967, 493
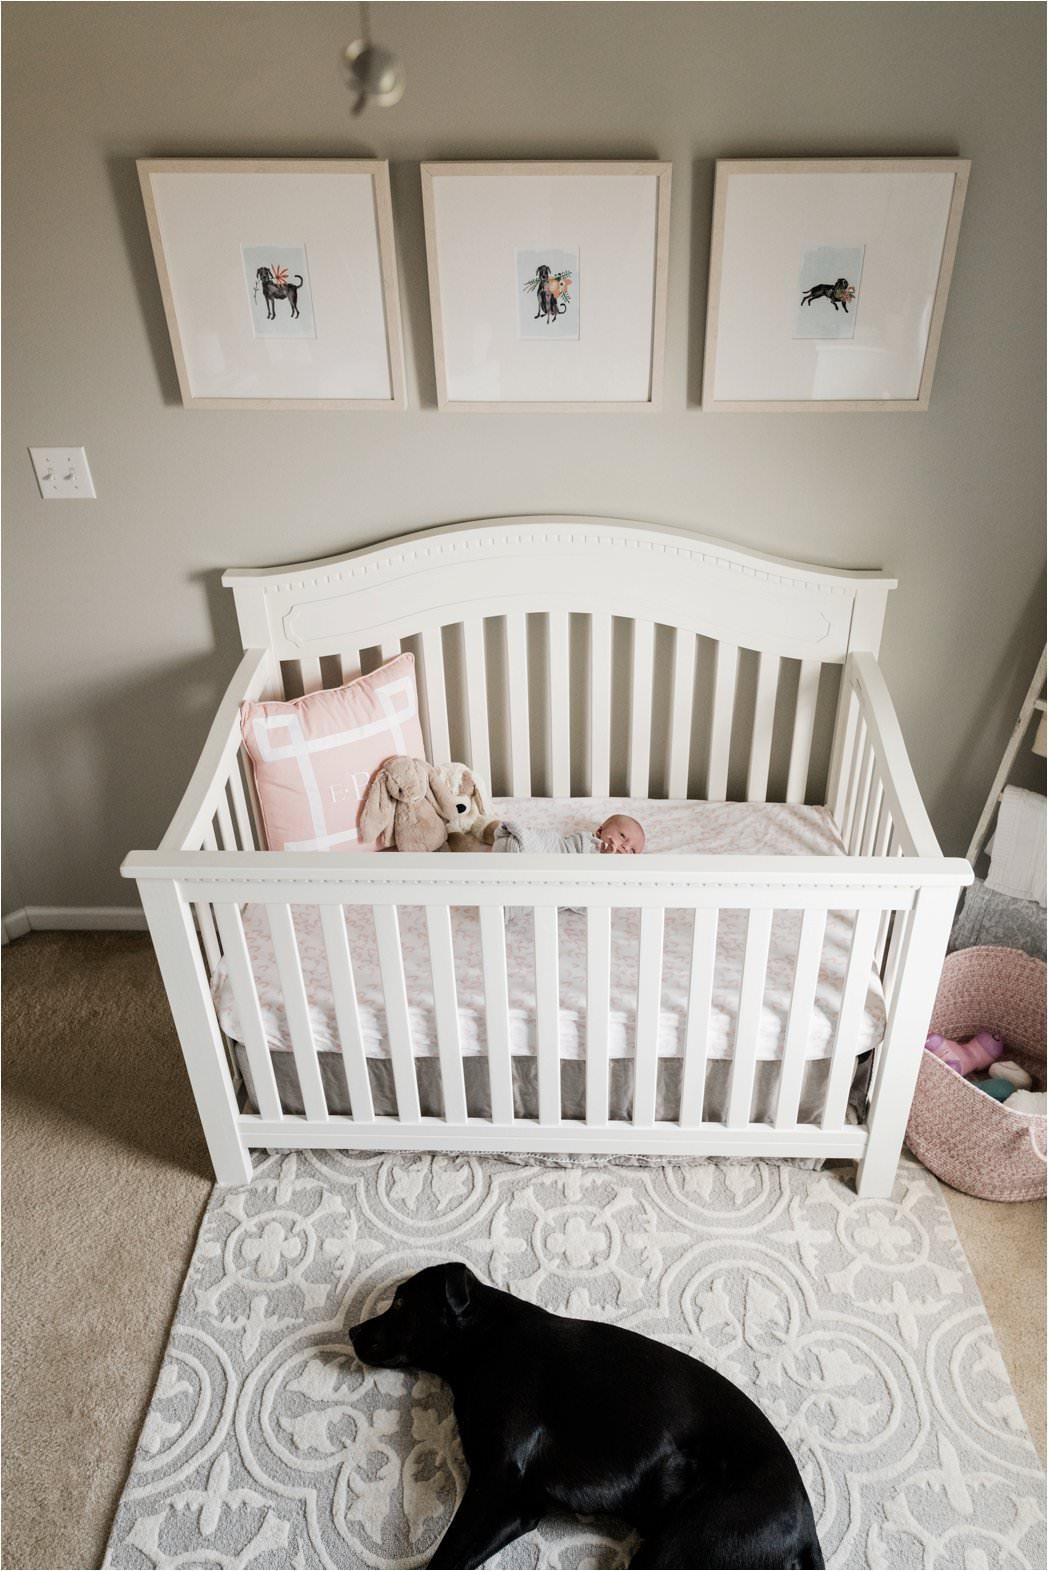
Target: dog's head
421, 1327
468, 796
542, 271
264, 274
842, 283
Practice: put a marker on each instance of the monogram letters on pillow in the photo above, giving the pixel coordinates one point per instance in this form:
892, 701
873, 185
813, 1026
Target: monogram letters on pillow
312, 757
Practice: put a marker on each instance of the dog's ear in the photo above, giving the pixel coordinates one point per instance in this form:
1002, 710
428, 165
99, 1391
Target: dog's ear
458, 1280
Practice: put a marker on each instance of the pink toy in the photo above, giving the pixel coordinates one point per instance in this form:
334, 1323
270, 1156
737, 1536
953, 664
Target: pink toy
983, 1050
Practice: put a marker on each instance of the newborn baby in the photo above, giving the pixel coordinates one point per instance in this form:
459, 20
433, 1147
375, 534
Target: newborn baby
618, 835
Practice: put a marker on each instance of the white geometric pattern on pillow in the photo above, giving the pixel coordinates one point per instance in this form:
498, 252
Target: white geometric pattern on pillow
399, 702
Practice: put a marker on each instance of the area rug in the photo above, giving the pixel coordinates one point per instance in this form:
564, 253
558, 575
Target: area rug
856, 1326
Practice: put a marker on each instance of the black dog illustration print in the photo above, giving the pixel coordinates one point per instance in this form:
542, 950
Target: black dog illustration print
551, 292
837, 294
277, 285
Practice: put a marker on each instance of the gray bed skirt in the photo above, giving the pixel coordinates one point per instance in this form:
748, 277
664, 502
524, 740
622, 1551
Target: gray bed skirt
572, 1087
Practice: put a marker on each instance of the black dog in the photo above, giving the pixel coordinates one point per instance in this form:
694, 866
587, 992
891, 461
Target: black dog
579, 1416
274, 291
835, 293
548, 304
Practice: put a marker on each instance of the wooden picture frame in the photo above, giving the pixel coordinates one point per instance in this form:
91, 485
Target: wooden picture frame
331, 340
605, 227
858, 250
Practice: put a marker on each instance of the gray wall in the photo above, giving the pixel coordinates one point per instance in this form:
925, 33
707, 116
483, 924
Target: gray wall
119, 639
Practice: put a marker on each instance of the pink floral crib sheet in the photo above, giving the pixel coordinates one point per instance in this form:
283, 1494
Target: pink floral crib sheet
710, 828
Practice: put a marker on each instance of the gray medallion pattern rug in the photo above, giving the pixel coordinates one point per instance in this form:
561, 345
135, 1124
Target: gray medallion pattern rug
856, 1326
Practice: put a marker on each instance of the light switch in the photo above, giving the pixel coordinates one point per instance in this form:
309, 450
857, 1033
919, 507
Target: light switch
62, 473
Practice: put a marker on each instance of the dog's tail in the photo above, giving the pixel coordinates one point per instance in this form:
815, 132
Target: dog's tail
298, 280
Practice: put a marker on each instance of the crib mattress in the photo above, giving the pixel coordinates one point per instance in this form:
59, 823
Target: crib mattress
705, 828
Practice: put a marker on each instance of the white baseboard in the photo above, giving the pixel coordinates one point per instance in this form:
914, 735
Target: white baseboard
15, 924
79, 919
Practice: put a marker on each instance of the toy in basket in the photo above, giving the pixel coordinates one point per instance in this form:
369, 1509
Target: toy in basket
973, 1142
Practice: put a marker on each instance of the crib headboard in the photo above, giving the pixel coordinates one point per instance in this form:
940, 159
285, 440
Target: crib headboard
577, 656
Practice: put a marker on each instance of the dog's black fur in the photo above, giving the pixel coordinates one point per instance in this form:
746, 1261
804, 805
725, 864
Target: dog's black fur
834, 293
273, 291
549, 306
559, 1414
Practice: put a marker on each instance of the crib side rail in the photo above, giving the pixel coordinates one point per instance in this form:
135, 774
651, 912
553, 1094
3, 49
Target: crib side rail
873, 792
689, 881
918, 894
218, 795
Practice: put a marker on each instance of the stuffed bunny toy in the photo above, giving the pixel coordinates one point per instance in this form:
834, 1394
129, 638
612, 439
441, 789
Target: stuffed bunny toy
470, 826
408, 805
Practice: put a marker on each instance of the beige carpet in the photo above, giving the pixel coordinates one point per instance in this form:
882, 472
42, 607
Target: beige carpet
105, 1179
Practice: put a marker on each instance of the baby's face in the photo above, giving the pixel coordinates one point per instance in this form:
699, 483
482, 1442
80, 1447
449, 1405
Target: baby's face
620, 836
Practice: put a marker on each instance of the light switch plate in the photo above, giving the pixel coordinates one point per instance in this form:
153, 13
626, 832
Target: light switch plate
62, 473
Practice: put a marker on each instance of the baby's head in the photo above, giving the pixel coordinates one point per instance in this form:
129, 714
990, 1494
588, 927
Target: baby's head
621, 835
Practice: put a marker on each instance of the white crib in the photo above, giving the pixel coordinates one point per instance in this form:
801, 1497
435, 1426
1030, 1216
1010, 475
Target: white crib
569, 657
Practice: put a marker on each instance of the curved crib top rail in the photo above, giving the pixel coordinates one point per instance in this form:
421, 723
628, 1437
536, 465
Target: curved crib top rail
548, 648
622, 568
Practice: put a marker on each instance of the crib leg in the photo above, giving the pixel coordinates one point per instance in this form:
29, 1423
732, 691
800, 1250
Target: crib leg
896, 1074
178, 954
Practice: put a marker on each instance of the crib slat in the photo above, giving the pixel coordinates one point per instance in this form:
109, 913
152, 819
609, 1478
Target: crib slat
204, 920
747, 1025
559, 704
853, 1001
763, 721
496, 1012
519, 728
893, 959
350, 665
547, 995
882, 846
389, 649
858, 740
209, 938
598, 979
398, 1018
720, 728
436, 696
226, 836
296, 1009
680, 717
600, 704
872, 818
477, 698
245, 829
247, 780
640, 708
249, 1012
649, 996
309, 670
798, 1028
803, 730
862, 797
697, 1031
347, 1013
445, 1009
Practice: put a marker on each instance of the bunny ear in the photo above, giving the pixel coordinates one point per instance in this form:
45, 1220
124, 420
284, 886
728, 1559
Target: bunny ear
478, 796
377, 814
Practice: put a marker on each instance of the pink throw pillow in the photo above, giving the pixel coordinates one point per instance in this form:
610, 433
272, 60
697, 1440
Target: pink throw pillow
313, 756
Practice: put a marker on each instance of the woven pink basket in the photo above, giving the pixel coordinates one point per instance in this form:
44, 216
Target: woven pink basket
966, 1138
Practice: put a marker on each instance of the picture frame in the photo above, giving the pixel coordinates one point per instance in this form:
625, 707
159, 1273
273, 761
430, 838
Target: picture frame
279, 281
828, 282
547, 284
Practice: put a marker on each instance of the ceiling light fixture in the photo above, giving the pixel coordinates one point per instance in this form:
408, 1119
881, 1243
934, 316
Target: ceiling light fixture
375, 75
